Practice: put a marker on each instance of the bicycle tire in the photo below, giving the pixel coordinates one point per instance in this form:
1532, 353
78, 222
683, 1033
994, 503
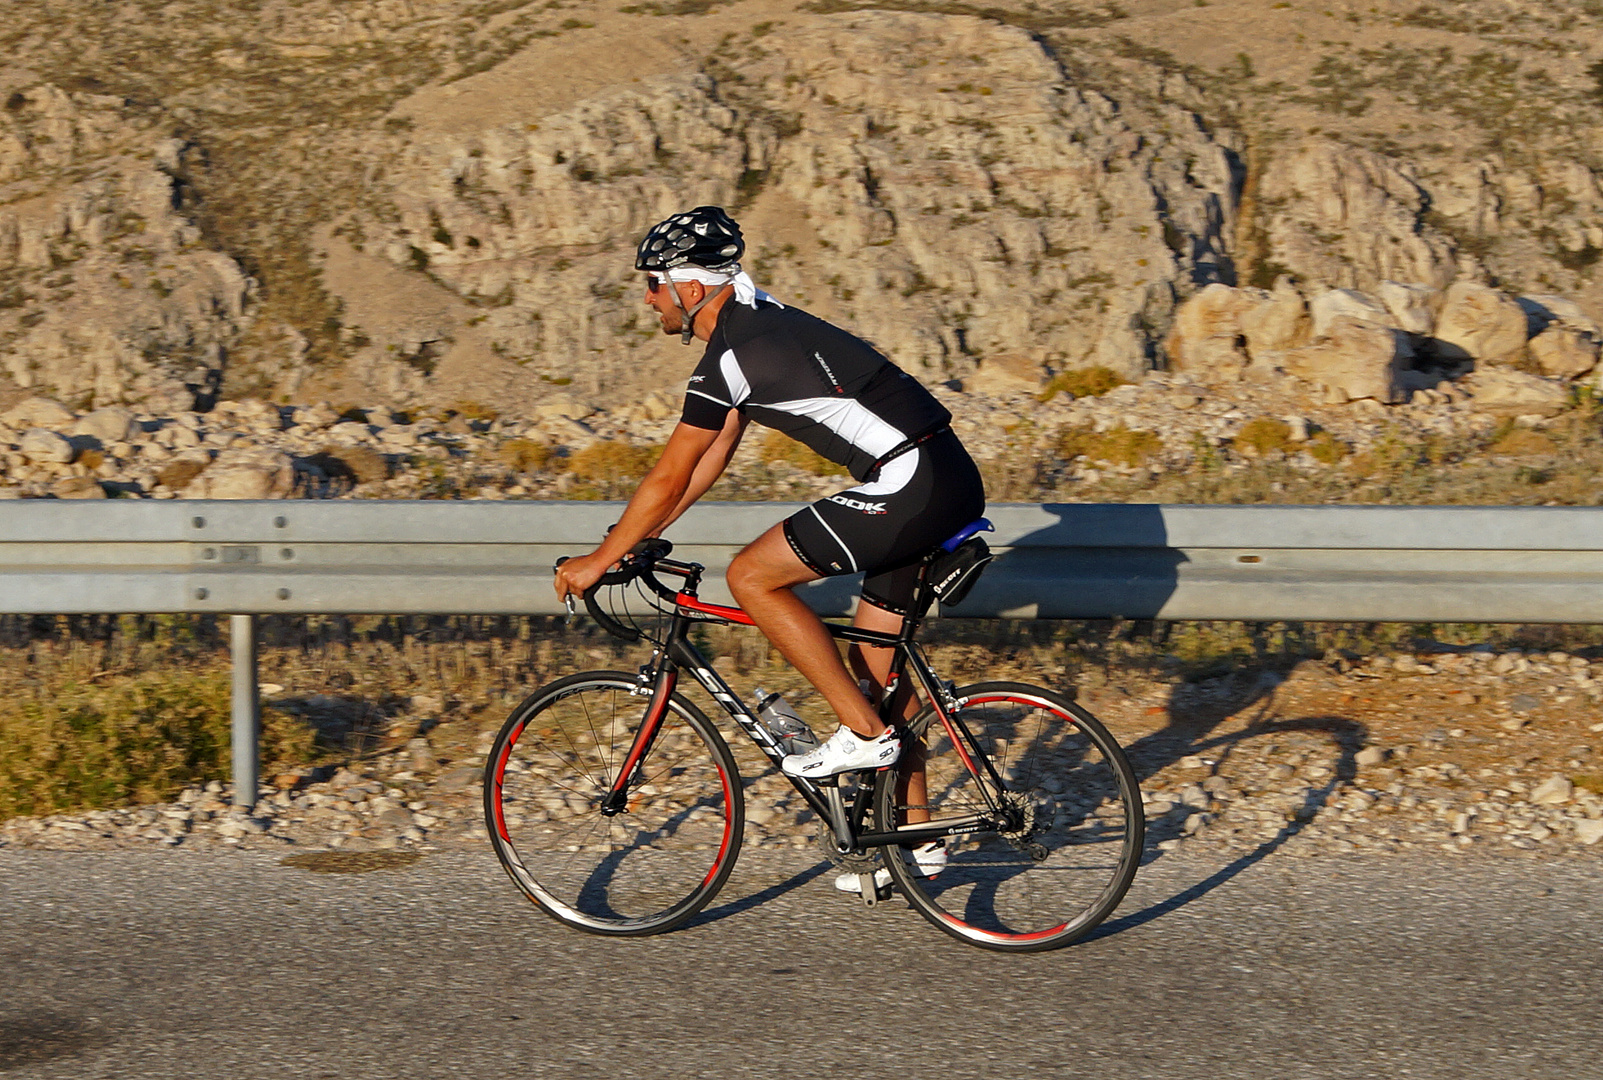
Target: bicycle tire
1080, 801
643, 871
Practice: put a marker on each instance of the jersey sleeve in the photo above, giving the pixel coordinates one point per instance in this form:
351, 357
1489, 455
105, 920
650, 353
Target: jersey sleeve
707, 396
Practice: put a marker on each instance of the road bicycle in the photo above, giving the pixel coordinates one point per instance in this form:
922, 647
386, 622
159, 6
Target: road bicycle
614, 804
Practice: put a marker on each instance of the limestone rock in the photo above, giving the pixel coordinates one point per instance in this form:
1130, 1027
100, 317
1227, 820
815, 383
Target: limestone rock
37, 412
1545, 310
1350, 304
1005, 373
1279, 321
1412, 307
246, 474
1355, 360
1554, 791
78, 487
1206, 341
1505, 392
42, 446
1564, 353
108, 425
1480, 323
1346, 216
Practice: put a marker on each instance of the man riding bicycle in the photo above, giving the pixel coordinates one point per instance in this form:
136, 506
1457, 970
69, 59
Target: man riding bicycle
833, 392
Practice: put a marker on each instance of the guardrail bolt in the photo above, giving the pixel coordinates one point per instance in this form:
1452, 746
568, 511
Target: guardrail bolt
201, 594
199, 523
208, 553
280, 522
286, 553
283, 594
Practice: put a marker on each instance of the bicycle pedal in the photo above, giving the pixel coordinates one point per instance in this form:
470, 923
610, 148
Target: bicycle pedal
870, 891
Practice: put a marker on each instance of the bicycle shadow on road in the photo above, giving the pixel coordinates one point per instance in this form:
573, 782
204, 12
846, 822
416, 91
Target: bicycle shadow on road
759, 898
1192, 736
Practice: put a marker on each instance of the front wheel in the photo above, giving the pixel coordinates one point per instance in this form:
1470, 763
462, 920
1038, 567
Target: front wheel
643, 870
1068, 806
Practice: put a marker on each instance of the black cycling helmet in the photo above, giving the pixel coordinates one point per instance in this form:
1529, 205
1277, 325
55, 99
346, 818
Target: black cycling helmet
705, 237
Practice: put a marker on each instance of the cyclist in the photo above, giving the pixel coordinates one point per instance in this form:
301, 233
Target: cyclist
915, 487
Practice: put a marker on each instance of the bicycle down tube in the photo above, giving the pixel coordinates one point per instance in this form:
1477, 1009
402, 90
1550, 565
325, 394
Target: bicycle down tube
678, 652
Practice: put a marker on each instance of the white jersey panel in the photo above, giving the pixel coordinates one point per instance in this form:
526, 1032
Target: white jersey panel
850, 420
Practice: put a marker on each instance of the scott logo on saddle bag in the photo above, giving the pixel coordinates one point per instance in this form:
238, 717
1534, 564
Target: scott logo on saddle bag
858, 504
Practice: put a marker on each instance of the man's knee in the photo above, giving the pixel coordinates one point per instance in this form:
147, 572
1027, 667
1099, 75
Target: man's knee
749, 574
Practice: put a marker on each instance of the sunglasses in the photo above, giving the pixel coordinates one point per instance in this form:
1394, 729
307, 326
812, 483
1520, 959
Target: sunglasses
654, 284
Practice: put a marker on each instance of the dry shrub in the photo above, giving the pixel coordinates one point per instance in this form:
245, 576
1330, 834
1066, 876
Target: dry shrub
473, 410
613, 462
1263, 436
523, 455
1082, 382
90, 459
777, 446
139, 738
1117, 446
1325, 448
360, 464
1521, 442
177, 475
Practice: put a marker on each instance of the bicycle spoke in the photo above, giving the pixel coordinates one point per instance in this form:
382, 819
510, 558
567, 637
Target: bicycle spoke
1073, 832
643, 870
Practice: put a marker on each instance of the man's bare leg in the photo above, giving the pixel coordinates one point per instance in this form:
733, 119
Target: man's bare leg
874, 663
761, 578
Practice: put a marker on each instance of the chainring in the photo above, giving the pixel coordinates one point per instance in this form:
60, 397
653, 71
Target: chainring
865, 863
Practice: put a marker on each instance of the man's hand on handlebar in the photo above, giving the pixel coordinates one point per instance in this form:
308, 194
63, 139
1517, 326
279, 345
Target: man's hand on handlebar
578, 575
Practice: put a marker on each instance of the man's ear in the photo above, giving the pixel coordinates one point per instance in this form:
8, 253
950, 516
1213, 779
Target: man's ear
694, 291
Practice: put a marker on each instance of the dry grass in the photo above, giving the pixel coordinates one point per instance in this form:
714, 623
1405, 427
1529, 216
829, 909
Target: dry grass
1264, 435
127, 738
1325, 448
1116, 446
523, 455
1522, 442
1082, 382
777, 446
99, 713
177, 475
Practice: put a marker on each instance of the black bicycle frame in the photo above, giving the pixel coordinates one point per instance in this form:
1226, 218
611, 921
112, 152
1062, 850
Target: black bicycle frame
676, 652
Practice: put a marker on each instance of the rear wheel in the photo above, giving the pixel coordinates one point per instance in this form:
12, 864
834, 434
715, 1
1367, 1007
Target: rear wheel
644, 870
1068, 805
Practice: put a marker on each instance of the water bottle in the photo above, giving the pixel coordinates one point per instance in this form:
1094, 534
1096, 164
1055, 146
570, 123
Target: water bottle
781, 721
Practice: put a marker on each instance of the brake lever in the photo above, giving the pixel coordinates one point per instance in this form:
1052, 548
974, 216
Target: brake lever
567, 601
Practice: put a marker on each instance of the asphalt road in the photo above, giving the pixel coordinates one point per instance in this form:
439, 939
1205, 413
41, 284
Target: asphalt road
227, 964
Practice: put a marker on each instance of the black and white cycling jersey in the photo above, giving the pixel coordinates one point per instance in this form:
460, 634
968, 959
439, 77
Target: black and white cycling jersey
820, 385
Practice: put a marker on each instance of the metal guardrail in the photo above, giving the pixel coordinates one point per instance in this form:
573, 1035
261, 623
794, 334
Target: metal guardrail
1337, 563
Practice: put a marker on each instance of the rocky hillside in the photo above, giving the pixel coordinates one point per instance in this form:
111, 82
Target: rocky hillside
386, 203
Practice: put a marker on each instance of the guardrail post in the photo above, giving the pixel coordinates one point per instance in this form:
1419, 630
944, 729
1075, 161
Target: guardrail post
247, 726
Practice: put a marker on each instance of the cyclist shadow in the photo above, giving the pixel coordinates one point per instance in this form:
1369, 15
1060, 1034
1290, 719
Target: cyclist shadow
1192, 736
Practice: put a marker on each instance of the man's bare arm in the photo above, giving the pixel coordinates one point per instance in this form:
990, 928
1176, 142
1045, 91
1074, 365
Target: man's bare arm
650, 509
711, 466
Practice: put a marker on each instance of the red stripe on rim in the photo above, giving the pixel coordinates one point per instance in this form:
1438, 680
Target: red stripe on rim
500, 771
723, 848
994, 936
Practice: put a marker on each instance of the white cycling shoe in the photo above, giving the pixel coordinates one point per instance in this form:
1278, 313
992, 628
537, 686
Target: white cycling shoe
926, 860
844, 752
